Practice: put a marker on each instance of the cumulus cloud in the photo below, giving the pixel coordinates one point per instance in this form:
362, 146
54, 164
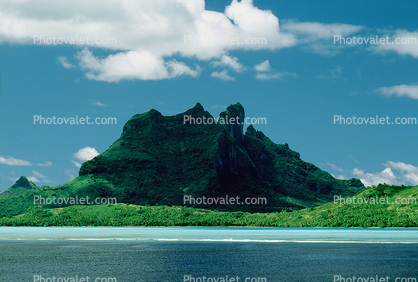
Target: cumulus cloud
143, 35
223, 75
37, 174
264, 66
45, 164
85, 154
98, 103
410, 91
333, 74
395, 173
401, 41
408, 172
131, 65
33, 179
276, 75
335, 167
71, 174
38, 177
231, 62
318, 37
315, 30
65, 63
12, 161
265, 72
386, 176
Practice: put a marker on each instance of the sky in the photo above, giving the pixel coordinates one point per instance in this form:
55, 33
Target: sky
311, 69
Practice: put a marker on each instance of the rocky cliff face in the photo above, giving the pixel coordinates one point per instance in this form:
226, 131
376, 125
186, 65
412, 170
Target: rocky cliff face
159, 159
234, 118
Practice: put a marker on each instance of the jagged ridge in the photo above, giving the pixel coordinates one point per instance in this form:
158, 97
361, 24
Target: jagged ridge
158, 159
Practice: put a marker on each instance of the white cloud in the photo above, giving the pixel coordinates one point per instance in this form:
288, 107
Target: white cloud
77, 164
231, 62
145, 35
402, 41
410, 91
335, 167
333, 74
71, 173
65, 63
13, 179
394, 174
85, 154
131, 65
33, 179
319, 37
45, 164
98, 103
264, 72
223, 75
386, 176
12, 161
323, 48
276, 75
264, 66
315, 30
37, 174
354, 159
408, 172
39, 177
252, 20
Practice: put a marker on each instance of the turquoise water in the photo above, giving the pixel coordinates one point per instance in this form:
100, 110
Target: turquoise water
173, 254
212, 234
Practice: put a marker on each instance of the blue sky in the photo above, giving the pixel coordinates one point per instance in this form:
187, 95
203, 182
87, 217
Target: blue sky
171, 54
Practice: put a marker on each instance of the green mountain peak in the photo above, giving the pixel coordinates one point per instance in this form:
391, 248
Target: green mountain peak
21, 186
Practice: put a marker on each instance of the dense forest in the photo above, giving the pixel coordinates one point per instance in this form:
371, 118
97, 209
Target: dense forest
333, 214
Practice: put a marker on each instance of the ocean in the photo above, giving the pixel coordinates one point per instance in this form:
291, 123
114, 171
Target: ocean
193, 254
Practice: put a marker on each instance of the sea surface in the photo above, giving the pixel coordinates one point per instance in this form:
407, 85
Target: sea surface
80, 254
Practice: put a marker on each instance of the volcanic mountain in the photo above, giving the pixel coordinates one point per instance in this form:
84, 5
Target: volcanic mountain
160, 159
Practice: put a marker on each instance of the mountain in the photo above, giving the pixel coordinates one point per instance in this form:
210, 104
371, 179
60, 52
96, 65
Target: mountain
21, 186
160, 159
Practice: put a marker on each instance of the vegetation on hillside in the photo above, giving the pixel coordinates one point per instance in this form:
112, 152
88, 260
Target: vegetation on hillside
388, 214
